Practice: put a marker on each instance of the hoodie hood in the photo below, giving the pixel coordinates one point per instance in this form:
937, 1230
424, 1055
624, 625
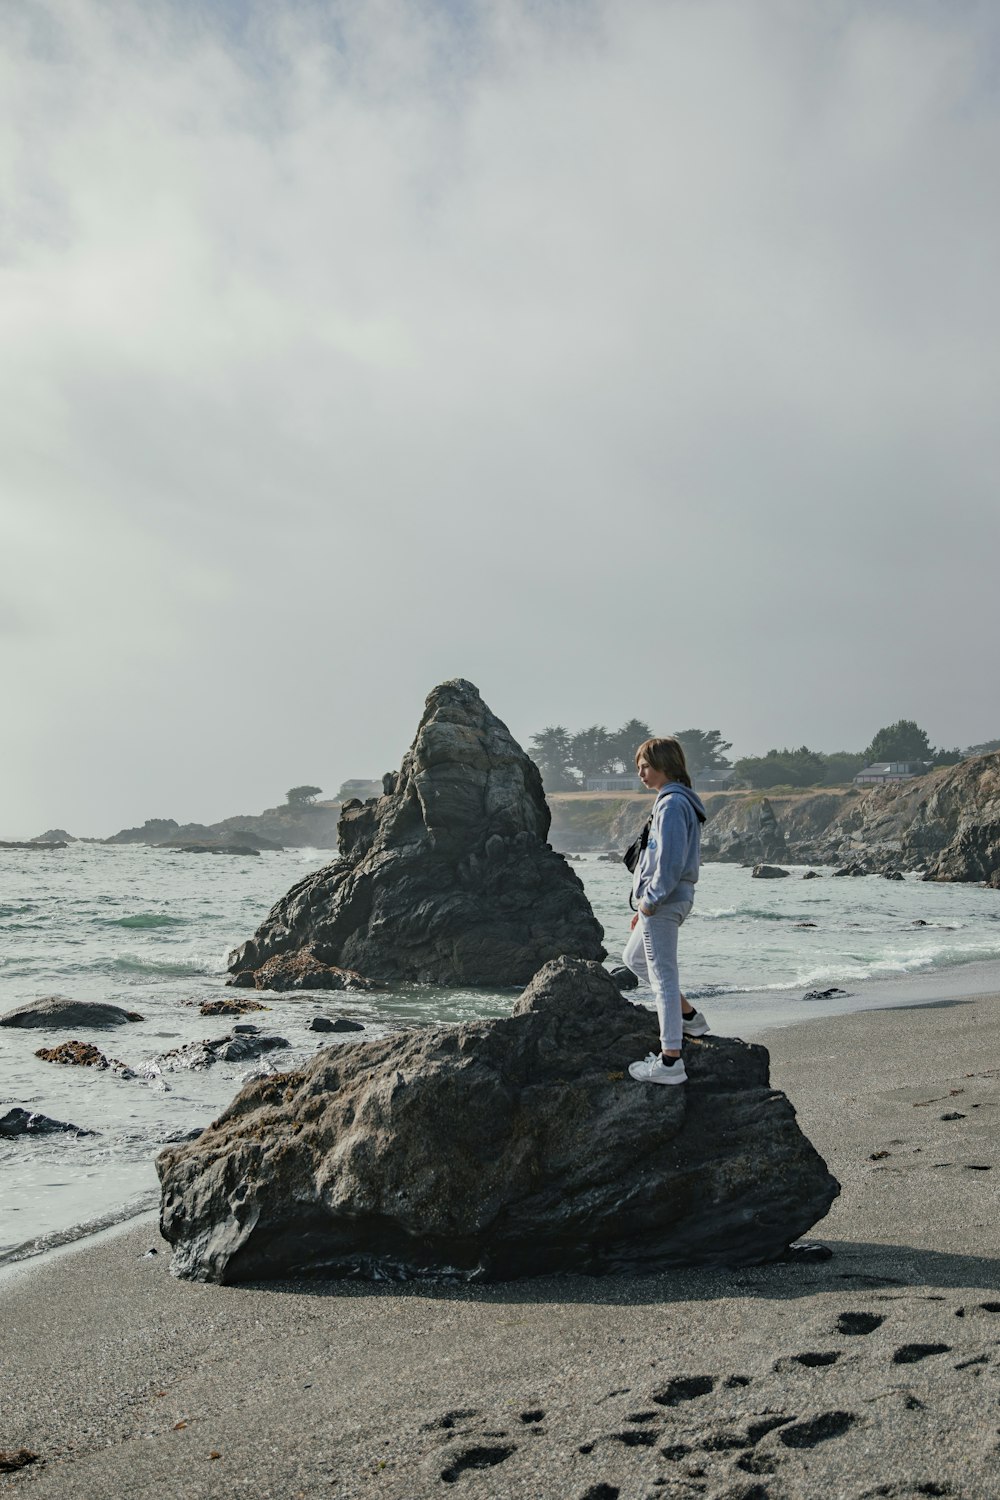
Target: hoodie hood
678, 789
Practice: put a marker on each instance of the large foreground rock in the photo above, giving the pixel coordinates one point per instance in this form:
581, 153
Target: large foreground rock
495, 1149
447, 878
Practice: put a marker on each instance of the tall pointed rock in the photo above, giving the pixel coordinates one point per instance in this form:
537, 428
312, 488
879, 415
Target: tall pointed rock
445, 879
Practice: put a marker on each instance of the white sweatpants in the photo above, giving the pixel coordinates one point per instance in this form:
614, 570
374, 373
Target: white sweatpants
651, 954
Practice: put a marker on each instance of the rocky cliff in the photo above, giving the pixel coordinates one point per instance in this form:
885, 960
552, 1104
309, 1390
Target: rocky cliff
313, 826
945, 824
445, 879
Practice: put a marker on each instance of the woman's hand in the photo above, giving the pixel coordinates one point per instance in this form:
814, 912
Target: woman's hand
631, 925
646, 911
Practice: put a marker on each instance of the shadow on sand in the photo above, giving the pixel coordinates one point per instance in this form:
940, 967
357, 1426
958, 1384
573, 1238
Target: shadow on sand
854, 1265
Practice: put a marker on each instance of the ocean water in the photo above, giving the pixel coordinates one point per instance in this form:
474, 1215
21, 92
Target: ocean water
149, 929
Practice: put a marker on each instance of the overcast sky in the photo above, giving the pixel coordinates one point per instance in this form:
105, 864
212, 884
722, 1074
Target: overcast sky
626, 358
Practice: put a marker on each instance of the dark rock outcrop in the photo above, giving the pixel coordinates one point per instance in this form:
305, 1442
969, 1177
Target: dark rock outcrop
769, 872
306, 825
448, 878
179, 847
300, 971
25, 1122
497, 1149
236, 1006
242, 1046
153, 831
83, 1055
53, 1014
963, 807
29, 844
623, 978
746, 834
342, 1023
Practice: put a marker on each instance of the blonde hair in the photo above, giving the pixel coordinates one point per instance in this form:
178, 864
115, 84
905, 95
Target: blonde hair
665, 754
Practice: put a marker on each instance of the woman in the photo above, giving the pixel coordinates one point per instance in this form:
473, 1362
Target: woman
663, 892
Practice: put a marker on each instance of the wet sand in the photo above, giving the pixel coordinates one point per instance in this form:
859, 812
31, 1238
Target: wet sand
874, 1373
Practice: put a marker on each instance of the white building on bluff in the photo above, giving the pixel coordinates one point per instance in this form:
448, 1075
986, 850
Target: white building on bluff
886, 771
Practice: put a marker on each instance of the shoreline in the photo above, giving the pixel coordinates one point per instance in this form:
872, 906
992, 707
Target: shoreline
936, 988
881, 1365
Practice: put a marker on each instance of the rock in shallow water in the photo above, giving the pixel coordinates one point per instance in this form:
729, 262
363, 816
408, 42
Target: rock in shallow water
497, 1149
24, 1122
234, 1007
300, 971
84, 1055
234, 1048
447, 878
54, 1013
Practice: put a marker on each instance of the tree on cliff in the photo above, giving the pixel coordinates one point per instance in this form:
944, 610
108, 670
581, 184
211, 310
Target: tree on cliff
904, 740
626, 741
842, 765
704, 749
592, 751
302, 796
801, 767
550, 751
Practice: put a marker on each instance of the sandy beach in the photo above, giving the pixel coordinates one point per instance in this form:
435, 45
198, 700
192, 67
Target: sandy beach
873, 1373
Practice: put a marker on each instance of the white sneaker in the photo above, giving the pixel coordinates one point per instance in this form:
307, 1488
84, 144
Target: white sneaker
696, 1025
653, 1069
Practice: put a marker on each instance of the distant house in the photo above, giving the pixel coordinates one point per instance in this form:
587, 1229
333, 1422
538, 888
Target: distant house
715, 781
614, 784
885, 771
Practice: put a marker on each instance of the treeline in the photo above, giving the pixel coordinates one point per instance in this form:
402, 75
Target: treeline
567, 760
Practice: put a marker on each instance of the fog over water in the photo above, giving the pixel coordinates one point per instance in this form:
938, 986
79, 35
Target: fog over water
625, 358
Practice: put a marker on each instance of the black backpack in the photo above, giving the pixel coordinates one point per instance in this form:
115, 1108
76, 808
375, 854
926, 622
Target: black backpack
633, 853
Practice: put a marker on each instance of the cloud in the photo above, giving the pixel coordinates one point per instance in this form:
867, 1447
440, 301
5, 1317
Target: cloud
625, 358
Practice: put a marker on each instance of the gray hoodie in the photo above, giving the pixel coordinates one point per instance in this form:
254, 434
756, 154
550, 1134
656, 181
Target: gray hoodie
668, 868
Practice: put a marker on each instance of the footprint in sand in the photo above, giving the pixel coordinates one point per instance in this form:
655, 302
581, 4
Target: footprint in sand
909, 1354
812, 1359
683, 1388
637, 1437
756, 1463
479, 1457
723, 1442
764, 1425
859, 1322
448, 1421
907, 1491
828, 1424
